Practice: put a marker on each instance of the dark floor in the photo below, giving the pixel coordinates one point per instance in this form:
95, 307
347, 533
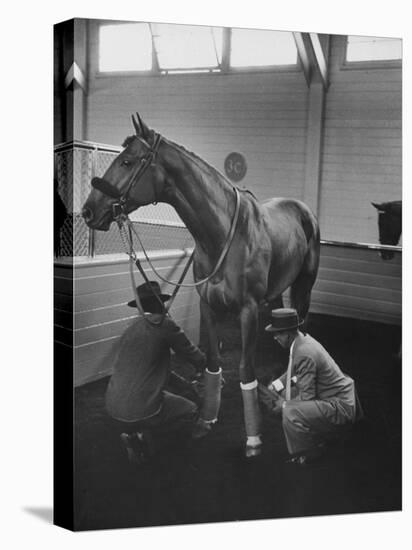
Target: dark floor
210, 481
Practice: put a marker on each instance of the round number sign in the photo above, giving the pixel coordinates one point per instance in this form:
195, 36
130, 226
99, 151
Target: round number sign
235, 166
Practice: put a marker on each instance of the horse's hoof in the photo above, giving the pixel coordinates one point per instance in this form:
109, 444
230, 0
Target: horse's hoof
251, 452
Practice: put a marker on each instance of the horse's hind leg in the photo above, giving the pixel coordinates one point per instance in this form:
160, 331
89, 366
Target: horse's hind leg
301, 289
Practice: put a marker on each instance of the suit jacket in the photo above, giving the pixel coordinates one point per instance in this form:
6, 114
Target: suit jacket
142, 367
318, 377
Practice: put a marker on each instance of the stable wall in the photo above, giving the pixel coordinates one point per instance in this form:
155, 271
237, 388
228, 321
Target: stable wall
355, 282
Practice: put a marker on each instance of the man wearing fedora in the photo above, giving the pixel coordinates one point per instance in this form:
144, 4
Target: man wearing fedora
136, 398
314, 398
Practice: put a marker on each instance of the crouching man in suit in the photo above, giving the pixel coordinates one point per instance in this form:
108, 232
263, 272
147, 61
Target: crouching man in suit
323, 399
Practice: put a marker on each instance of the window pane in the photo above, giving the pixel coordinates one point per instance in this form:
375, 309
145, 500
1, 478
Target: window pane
187, 47
259, 48
370, 48
125, 47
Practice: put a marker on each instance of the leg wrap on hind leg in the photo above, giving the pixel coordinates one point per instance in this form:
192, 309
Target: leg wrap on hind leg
251, 413
211, 398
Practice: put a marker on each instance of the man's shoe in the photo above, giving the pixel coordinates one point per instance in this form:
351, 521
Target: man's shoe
309, 457
300, 460
201, 429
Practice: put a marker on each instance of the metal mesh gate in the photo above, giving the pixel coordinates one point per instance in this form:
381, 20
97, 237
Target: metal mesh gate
76, 163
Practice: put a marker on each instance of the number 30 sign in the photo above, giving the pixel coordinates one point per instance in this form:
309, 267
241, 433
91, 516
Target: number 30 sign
235, 166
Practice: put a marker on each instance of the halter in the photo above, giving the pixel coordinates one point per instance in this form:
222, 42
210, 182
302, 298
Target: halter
141, 167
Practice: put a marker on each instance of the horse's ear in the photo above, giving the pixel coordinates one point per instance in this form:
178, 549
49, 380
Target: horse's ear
145, 132
136, 126
379, 207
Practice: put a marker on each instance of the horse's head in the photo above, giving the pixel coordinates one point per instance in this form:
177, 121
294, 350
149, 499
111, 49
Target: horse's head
133, 179
390, 225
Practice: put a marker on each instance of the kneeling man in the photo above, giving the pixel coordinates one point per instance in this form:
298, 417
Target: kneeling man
322, 400
136, 397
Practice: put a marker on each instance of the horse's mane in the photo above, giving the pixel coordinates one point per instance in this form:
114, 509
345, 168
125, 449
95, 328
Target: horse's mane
128, 140
196, 158
200, 162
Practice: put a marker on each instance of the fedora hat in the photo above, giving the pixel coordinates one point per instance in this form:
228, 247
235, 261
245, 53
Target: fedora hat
149, 291
283, 319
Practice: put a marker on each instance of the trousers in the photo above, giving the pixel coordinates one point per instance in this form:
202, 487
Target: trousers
176, 414
308, 423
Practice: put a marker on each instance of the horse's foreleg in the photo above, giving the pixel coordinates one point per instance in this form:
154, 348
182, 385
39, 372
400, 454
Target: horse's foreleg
213, 372
248, 382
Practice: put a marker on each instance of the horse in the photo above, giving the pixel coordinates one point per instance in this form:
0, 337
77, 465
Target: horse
390, 225
267, 247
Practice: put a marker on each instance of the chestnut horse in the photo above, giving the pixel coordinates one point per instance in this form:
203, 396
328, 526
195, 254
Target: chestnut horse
275, 245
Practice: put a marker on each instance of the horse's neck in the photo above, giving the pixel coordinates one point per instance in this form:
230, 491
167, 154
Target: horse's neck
201, 197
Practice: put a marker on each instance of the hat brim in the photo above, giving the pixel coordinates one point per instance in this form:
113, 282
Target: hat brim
163, 297
271, 328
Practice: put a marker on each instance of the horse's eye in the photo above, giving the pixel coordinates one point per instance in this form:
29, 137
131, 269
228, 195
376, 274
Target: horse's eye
125, 162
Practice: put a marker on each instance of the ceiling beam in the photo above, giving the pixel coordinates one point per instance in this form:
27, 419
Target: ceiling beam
313, 58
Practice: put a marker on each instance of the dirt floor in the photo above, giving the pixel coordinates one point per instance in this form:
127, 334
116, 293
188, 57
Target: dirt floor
210, 481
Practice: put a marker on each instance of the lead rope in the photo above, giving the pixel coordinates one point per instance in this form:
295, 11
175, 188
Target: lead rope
134, 259
219, 262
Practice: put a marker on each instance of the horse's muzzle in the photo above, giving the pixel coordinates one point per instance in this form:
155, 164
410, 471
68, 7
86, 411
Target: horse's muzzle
87, 214
106, 188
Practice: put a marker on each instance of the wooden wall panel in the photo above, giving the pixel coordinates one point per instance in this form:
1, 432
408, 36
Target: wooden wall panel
357, 283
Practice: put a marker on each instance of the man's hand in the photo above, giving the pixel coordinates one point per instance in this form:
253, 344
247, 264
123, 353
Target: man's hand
270, 399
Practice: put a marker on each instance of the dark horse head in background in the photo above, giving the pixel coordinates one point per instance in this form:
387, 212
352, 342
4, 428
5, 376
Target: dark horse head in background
390, 225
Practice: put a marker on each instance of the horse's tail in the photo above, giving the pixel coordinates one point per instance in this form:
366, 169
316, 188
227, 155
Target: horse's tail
302, 287
310, 226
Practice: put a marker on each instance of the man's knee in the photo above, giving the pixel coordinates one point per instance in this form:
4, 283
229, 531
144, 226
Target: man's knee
177, 408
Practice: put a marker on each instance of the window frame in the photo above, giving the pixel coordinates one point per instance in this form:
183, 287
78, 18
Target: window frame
224, 68
132, 72
368, 64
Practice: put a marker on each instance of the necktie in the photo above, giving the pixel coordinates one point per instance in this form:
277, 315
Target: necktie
289, 372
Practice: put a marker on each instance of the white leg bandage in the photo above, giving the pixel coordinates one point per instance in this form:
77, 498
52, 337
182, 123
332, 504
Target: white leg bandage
211, 398
251, 413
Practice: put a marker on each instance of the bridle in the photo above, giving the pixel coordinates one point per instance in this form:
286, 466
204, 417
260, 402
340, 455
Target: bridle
149, 159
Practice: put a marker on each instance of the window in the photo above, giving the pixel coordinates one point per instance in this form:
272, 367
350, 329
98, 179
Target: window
187, 47
258, 48
167, 48
370, 48
125, 47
